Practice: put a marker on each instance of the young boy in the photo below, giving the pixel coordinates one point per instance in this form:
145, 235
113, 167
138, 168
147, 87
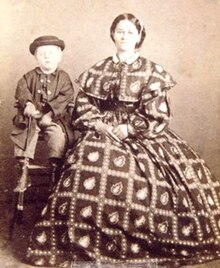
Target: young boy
42, 98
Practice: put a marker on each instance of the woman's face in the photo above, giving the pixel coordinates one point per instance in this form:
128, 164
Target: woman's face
126, 36
48, 57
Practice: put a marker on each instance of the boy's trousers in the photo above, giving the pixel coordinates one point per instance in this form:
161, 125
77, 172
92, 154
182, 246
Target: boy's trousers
54, 137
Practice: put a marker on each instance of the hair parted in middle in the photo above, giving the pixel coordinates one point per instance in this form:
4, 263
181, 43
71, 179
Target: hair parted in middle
135, 21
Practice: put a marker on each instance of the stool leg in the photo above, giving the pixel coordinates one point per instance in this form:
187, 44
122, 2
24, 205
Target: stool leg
18, 198
53, 176
55, 169
20, 206
17, 214
23, 181
23, 184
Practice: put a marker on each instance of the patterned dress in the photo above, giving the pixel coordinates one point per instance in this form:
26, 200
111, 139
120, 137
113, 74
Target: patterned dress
147, 200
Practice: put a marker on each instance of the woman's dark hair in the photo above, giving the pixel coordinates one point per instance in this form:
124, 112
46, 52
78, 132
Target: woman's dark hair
135, 21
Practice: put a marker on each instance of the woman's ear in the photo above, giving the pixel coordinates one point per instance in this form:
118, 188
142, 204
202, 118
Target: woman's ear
112, 36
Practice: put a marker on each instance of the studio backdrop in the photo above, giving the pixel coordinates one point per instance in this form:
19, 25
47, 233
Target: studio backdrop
183, 36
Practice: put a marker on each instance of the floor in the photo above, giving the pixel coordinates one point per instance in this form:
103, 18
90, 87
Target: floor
12, 253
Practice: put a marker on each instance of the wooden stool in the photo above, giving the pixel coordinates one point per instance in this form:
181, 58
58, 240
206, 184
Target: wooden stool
26, 172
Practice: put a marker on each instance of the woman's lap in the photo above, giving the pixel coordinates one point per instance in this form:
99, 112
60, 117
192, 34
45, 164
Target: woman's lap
139, 201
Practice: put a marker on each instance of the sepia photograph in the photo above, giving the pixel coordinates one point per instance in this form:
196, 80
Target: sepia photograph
109, 133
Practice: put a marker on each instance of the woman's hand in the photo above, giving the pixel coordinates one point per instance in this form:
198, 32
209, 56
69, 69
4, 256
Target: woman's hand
102, 127
120, 131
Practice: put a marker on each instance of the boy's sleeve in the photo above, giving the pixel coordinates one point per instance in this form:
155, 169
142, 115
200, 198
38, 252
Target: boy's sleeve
66, 94
22, 93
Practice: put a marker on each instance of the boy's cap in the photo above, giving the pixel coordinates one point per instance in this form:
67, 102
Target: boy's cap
46, 40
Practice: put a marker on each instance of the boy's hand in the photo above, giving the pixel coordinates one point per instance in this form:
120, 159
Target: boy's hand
46, 119
30, 109
37, 114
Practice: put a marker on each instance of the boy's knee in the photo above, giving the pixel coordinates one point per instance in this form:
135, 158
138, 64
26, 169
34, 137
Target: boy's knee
54, 131
56, 141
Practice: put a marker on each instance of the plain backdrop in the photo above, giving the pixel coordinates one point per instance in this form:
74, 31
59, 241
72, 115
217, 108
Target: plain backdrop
182, 35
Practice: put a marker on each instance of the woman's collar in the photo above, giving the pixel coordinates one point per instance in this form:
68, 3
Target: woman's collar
130, 60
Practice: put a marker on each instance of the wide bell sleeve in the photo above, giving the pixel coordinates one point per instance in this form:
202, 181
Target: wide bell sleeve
87, 110
153, 114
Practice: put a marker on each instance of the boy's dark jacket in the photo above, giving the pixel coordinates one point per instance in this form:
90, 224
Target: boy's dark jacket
47, 92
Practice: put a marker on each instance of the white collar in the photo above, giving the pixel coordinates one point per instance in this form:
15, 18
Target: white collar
130, 60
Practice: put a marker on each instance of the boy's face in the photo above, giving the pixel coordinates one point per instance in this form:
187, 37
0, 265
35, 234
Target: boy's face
48, 57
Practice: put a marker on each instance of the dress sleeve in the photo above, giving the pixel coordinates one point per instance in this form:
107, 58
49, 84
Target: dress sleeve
153, 114
87, 110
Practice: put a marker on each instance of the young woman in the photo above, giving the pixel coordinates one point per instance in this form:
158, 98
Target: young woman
132, 191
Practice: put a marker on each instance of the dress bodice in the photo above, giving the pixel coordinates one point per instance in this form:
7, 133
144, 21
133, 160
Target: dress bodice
126, 81
133, 93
